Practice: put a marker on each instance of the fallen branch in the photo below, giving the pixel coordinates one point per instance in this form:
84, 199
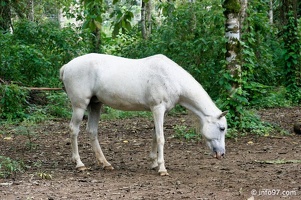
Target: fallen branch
43, 88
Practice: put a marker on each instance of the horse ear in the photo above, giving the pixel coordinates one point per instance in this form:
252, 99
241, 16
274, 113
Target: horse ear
222, 114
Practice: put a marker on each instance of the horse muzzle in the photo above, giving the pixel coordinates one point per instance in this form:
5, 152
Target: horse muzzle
218, 155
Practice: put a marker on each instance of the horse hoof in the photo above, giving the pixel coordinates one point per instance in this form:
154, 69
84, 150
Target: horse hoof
108, 167
82, 168
163, 174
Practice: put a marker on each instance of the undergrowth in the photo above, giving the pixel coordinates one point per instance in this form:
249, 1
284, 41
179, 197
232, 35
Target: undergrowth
184, 132
110, 113
9, 167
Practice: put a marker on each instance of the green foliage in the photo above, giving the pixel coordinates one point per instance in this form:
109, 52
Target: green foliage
36, 114
232, 6
93, 14
33, 55
20, 62
122, 21
116, 46
235, 103
261, 49
9, 167
111, 113
58, 105
292, 58
248, 123
186, 133
263, 96
267, 62
261, 61
178, 109
13, 102
167, 7
251, 123
15, 105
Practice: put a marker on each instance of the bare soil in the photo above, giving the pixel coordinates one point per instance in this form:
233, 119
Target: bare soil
259, 167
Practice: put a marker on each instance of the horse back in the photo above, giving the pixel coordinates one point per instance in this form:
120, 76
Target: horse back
127, 84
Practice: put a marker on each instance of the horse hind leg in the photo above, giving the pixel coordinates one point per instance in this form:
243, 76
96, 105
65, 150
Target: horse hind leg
93, 119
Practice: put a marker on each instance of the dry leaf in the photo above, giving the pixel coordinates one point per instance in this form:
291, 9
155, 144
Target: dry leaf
8, 138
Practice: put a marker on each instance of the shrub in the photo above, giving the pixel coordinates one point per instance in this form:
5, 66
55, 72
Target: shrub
13, 102
58, 105
9, 167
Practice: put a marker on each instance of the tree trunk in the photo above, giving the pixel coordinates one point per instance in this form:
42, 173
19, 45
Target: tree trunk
271, 13
5, 16
146, 18
31, 10
233, 46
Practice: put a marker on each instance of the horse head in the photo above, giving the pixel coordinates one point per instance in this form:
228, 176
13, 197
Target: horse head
214, 130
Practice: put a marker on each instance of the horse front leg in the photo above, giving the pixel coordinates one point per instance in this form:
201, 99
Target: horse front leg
93, 118
154, 151
158, 113
76, 119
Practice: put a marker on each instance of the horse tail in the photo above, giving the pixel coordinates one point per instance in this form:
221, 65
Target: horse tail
62, 75
62, 72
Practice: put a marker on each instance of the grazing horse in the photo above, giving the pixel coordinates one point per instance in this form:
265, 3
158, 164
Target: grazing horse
154, 84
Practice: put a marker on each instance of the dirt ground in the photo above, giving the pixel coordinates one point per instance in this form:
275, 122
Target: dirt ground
266, 167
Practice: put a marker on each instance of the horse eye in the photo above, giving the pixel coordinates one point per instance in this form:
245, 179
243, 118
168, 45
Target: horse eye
222, 128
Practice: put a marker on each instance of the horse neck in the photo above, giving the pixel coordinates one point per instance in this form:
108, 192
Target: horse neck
197, 100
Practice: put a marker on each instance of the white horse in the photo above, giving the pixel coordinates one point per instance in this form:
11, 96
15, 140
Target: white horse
154, 83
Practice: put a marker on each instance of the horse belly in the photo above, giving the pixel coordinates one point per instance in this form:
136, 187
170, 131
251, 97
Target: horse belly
121, 102
123, 95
